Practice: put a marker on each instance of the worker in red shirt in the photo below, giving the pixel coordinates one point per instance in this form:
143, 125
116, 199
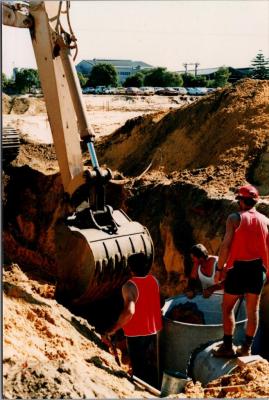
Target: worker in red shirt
244, 250
141, 319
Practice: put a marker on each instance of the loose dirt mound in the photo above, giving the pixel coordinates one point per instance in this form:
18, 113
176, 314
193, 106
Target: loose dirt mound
28, 106
228, 129
6, 103
187, 313
23, 105
251, 381
49, 352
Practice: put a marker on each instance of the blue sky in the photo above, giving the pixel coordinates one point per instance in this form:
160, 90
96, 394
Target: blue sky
162, 33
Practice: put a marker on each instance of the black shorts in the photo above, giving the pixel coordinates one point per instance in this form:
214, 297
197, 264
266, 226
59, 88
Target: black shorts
245, 277
143, 352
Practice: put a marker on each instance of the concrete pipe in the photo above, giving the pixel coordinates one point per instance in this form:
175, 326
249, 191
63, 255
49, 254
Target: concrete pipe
204, 367
180, 339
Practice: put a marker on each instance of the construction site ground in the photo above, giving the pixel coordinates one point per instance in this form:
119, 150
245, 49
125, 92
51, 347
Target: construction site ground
184, 159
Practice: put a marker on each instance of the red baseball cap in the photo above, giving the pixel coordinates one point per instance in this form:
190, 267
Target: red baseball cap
247, 191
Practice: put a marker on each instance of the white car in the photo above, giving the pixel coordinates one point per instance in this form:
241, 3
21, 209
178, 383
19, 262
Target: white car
147, 90
181, 90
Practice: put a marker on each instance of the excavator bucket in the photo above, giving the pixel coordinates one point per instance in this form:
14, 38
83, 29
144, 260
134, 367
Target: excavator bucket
92, 263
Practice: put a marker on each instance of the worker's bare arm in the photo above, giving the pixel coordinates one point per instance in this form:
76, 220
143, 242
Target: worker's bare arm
129, 294
232, 224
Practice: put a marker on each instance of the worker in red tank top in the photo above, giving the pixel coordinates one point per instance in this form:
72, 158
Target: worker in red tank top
141, 319
243, 263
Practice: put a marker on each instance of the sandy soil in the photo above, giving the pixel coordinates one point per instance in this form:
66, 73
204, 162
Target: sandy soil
105, 113
51, 353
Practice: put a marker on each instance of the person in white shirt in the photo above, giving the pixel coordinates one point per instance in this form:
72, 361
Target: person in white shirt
203, 270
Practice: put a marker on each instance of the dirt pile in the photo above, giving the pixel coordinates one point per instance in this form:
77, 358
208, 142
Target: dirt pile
23, 105
6, 103
225, 133
51, 353
48, 352
251, 381
187, 313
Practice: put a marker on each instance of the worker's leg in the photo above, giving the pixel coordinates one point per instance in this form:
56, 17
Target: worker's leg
136, 349
252, 304
229, 301
226, 349
255, 274
264, 320
143, 355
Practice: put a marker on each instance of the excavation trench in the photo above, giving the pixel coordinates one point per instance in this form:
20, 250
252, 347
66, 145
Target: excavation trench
195, 157
177, 216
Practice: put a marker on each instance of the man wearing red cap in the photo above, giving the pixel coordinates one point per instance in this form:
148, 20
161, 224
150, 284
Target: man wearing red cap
243, 261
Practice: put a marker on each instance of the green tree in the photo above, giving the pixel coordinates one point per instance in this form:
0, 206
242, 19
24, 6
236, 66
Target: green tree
189, 80
221, 77
260, 67
136, 80
103, 74
25, 79
161, 77
4, 81
201, 81
82, 79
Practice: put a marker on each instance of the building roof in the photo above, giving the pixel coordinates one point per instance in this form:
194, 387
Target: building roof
209, 71
118, 63
204, 71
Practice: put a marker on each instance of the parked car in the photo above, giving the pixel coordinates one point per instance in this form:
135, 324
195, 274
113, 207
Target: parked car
147, 90
134, 91
197, 91
181, 90
120, 90
201, 91
88, 90
192, 91
167, 91
108, 90
100, 89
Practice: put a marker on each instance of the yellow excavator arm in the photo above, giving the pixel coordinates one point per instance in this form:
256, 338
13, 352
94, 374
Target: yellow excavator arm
94, 243
65, 107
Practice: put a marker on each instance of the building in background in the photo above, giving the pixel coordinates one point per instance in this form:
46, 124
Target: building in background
124, 68
209, 73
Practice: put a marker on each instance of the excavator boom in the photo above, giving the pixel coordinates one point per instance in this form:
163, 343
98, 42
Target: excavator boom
93, 244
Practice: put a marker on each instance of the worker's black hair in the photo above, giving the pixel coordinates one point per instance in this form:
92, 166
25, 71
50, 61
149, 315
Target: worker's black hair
199, 251
248, 201
139, 264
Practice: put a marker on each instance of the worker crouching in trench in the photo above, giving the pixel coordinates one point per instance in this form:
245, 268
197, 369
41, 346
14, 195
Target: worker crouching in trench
203, 273
141, 320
